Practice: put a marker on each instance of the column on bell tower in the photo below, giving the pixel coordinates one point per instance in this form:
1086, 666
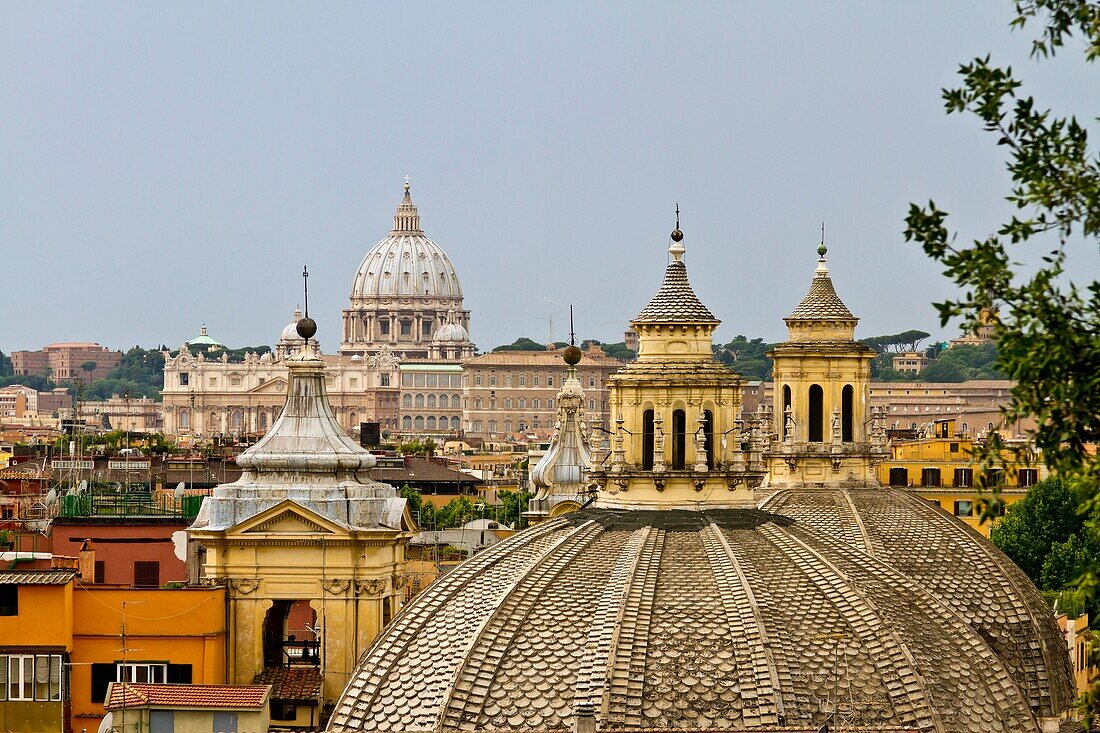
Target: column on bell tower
825, 431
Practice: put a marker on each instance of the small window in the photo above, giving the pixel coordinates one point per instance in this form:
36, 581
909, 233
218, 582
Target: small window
143, 672
591, 382
384, 328
492, 380
477, 380
1027, 477
384, 380
406, 328
9, 599
100, 571
426, 328
185, 379
536, 381
146, 575
549, 381
899, 477
225, 722
522, 380
964, 478
930, 477
283, 711
964, 508
954, 447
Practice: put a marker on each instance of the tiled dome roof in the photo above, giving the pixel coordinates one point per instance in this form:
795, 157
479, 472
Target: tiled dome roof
822, 302
406, 262
723, 619
675, 301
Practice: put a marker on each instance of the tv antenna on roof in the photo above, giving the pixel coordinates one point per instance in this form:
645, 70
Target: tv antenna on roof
572, 335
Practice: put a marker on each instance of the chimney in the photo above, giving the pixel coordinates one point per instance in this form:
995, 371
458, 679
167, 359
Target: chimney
87, 562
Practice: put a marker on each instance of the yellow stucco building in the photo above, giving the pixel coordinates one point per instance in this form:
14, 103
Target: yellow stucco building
941, 468
310, 548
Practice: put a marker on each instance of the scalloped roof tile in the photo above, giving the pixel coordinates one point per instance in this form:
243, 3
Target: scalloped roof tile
821, 302
675, 300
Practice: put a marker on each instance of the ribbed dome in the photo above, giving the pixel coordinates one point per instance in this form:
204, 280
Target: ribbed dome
290, 330
451, 332
723, 619
406, 263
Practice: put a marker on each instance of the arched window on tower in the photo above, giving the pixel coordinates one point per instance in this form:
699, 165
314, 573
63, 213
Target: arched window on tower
407, 422
647, 440
783, 415
708, 437
817, 414
847, 405
679, 439
406, 400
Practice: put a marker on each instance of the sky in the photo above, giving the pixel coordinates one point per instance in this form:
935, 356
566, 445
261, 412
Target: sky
168, 165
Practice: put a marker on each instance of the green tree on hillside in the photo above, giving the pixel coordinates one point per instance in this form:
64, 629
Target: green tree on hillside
522, 344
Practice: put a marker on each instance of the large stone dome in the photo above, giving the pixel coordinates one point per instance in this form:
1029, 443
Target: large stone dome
723, 619
402, 293
406, 263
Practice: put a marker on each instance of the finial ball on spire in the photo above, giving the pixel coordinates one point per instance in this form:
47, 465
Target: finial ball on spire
822, 249
677, 235
306, 328
571, 355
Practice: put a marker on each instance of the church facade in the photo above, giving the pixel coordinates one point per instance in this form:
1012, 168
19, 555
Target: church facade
405, 311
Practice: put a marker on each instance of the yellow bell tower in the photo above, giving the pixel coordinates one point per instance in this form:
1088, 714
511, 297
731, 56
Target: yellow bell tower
824, 431
677, 438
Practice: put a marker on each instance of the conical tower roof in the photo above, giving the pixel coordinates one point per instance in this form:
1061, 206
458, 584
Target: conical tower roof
676, 301
308, 458
821, 302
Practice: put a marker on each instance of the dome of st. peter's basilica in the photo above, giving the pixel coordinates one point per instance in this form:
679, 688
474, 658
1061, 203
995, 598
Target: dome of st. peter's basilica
734, 572
402, 292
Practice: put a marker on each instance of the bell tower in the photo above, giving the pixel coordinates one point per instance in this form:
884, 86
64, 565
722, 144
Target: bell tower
824, 430
677, 438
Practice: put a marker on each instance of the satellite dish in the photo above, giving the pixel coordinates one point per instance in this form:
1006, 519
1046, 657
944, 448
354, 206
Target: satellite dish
108, 723
51, 497
179, 489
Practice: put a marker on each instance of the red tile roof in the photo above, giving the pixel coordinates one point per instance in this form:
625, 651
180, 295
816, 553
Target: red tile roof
292, 684
132, 695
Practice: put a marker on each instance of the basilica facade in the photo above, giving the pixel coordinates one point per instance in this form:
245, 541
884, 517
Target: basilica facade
405, 321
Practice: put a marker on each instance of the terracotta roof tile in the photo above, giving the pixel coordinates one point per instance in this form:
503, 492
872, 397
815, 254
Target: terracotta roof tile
296, 684
37, 577
186, 696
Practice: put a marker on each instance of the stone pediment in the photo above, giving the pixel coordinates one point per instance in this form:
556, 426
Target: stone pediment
275, 386
290, 518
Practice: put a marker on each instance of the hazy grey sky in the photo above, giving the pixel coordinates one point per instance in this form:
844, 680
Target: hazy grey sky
167, 165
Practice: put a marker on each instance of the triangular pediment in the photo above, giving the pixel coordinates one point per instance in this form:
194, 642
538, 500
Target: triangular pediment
277, 385
288, 517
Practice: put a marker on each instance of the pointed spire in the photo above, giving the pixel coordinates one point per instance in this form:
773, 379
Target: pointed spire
821, 302
675, 301
406, 220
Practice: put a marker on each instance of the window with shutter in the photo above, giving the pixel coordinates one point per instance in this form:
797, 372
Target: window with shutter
147, 574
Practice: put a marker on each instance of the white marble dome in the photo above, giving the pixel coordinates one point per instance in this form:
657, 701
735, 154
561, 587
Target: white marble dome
451, 332
290, 330
406, 263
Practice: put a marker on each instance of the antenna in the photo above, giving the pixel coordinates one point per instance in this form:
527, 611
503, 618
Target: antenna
823, 233
572, 335
305, 287
677, 214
